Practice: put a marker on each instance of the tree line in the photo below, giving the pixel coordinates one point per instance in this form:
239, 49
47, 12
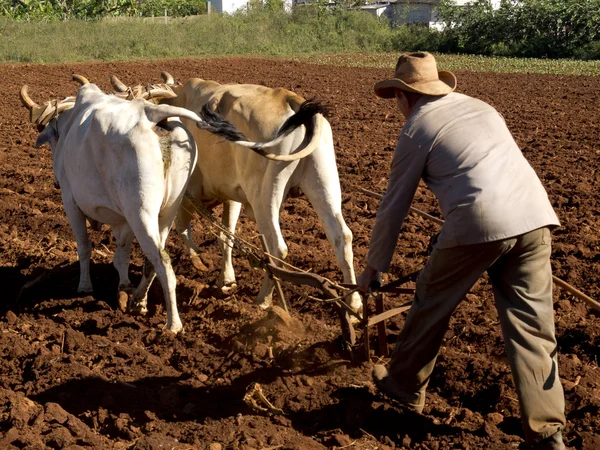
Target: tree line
37, 10
524, 28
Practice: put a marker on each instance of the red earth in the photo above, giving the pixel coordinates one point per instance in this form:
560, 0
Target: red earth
76, 372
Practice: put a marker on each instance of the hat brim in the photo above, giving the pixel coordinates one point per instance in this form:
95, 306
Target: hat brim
443, 86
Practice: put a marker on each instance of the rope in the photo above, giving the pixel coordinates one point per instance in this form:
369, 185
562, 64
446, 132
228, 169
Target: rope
236, 242
335, 299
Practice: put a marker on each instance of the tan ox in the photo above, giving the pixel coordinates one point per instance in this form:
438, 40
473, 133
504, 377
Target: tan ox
227, 174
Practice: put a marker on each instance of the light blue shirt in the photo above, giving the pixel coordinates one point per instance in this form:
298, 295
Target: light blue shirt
464, 152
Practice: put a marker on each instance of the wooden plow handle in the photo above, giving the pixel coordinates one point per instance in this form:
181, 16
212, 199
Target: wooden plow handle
577, 293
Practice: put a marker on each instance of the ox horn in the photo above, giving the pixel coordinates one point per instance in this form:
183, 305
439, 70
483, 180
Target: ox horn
158, 93
26, 99
167, 77
35, 110
80, 79
117, 84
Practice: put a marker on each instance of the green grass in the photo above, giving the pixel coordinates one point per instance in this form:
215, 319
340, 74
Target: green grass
470, 63
348, 39
264, 34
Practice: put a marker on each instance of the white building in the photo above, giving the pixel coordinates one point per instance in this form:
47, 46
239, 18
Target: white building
231, 6
401, 12
227, 6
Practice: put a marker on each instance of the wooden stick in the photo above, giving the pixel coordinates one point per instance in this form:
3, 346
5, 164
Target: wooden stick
381, 331
415, 210
386, 315
563, 284
577, 293
365, 336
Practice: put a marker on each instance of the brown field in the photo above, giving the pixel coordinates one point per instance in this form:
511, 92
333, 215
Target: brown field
76, 372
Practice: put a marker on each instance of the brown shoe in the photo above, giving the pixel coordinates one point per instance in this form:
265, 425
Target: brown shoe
388, 386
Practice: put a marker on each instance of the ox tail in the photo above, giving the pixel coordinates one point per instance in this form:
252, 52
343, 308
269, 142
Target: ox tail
158, 113
311, 115
210, 121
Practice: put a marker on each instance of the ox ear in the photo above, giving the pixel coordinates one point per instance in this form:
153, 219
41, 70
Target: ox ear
48, 135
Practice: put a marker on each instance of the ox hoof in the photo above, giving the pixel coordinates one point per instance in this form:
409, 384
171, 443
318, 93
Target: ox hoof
123, 300
228, 289
173, 328
264, 304
198, 264
85, 290
137, 308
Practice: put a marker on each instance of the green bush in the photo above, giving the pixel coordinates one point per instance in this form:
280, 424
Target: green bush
412, 38
175, 8
589, 51
526, 28
264, 32
523, 28
48, 10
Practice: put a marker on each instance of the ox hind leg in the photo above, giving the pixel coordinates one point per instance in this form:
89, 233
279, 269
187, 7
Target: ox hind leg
231, 213
124, 237
183, 225
138, 304
156, 263
266, 212
84, 246
323, 192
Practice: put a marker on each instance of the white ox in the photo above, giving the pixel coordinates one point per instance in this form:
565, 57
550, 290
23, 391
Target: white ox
114, 166
302, 157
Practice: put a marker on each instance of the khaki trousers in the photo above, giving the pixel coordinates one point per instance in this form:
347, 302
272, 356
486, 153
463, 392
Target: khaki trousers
520, 274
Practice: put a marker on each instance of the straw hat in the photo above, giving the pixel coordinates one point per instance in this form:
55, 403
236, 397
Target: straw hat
417, 72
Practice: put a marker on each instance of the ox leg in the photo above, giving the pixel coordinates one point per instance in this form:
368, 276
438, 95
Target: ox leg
139, 300
124, 237
268, 225
158, 263
231, 213
84, 246
166, 275
183, 224
326, 198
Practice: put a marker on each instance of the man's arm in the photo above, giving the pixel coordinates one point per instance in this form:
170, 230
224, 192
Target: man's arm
407, 168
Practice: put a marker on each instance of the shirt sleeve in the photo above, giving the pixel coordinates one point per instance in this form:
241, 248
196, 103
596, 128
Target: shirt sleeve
408, 164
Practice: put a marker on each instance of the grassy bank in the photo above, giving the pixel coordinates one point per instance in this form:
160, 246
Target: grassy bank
271, 34
471, 63
348, 39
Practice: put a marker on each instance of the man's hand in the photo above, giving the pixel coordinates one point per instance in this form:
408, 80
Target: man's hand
365, 279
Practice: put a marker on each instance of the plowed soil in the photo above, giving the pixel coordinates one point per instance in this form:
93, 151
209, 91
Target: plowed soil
76, 372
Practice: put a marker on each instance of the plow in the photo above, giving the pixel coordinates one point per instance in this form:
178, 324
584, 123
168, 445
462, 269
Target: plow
332, 292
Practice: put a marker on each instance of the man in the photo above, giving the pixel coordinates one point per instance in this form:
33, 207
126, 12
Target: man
497, 219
